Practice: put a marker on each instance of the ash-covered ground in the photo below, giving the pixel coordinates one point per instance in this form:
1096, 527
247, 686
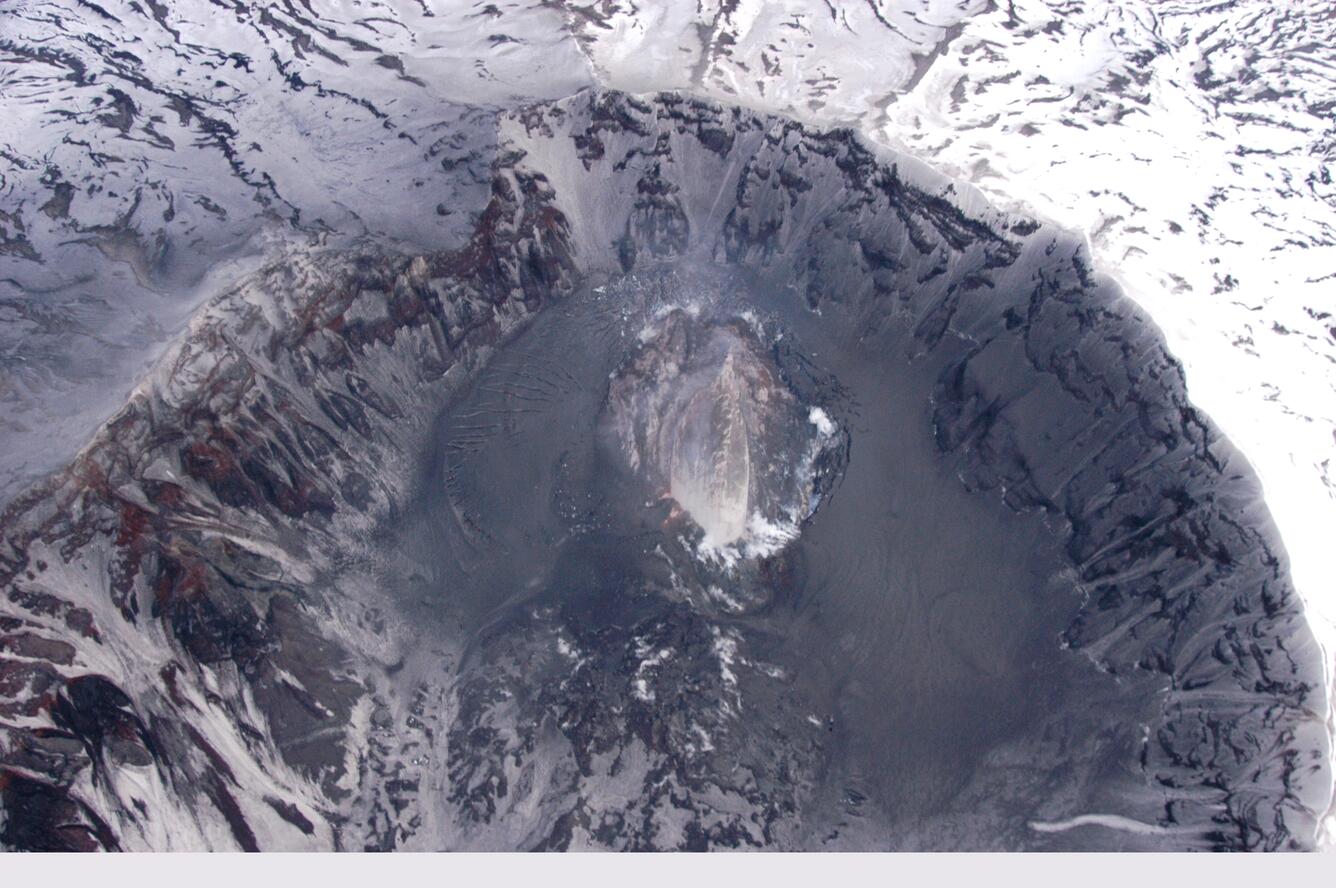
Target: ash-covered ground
846, 680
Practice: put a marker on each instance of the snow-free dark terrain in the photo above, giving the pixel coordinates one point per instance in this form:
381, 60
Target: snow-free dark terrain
397, 551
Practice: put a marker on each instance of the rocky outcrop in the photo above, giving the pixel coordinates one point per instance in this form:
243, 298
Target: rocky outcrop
173, 669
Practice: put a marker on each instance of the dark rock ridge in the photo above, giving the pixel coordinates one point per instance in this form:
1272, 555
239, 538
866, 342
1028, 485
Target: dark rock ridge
164, 615
186, 659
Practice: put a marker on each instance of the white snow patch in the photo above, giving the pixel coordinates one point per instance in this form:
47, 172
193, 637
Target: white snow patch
1108, 821
819, 418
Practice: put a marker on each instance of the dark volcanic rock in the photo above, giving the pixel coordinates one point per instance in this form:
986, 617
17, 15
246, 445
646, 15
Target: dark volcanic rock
242, 463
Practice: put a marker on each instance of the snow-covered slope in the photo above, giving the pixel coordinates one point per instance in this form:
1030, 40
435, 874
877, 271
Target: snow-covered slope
189, 654
154, 153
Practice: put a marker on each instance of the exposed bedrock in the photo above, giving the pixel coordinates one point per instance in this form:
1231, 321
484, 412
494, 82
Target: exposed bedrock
195, 647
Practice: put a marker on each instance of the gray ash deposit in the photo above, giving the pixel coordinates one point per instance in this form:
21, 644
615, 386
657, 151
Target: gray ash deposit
736, 485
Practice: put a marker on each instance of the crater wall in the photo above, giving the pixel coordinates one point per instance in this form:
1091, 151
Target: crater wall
189, 657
